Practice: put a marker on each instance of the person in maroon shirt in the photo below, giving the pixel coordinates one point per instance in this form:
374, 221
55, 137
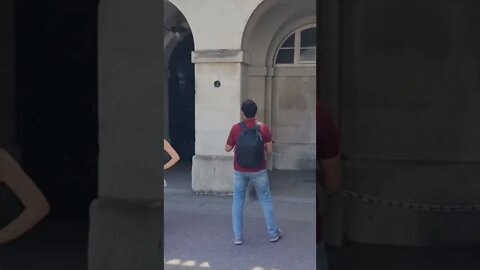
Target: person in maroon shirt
328, 170
257, 175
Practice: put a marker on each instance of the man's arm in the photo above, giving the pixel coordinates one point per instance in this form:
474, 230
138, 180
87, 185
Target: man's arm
328, 151
268, 147
267, 137
332, 173
230, 140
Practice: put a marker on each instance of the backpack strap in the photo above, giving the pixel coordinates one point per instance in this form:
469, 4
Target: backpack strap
242, 126
257, 128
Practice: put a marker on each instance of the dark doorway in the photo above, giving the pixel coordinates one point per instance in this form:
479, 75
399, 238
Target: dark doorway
181, 98
56, 91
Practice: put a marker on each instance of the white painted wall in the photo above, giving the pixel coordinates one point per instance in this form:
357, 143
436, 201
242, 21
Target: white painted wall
216, 108
217, 24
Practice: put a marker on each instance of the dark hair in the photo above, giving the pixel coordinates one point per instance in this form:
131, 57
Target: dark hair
249, 108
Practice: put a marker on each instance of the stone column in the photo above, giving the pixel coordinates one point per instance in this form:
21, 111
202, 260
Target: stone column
216, 110
329, 83
7, 77
329, 77
126, 221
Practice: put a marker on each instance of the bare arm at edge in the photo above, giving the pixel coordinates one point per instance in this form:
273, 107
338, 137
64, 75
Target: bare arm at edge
174, 157
35, 203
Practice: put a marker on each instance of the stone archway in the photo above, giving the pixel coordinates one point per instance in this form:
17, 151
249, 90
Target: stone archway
181, 99
217, 57
179, 83
268, 26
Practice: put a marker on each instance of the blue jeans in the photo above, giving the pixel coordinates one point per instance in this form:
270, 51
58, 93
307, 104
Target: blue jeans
260, 181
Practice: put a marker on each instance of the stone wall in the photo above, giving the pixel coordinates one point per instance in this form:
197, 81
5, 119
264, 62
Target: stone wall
410, 74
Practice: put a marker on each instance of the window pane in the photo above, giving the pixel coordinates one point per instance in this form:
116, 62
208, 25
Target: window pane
309, 54
289, 42
309, 37
285, 56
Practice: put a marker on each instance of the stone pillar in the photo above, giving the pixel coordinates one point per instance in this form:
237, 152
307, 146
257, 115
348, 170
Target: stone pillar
328, 77
425, 147
216, 110
329, 82
7, 77
126, 221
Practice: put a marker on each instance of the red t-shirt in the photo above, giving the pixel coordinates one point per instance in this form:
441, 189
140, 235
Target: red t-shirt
328, 146
233, 137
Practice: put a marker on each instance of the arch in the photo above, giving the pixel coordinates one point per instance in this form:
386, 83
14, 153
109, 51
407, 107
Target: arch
181, 99
270, 22
204, 25
172, 15
269, 25
257, 14
170, 42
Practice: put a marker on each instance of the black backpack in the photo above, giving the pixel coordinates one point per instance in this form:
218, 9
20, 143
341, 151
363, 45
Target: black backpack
250, 146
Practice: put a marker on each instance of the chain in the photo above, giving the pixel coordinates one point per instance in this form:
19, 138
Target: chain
292, 157
391, 203
410, 206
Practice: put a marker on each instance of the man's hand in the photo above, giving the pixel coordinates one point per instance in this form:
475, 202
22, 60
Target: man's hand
268, 147
228, 148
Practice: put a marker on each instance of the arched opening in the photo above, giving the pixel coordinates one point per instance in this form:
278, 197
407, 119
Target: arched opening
281, 39
56, 104
179, 83
293, 99
181, 99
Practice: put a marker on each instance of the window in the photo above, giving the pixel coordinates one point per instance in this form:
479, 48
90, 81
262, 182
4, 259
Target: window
300, 47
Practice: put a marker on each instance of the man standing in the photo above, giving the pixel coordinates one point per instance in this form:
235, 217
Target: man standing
251, 140
329, 173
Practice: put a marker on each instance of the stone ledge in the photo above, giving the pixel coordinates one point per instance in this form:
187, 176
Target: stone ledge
220, 56
255, 71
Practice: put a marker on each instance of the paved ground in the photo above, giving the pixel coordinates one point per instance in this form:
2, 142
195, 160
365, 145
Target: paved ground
198, 233
53, 245
198, 227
